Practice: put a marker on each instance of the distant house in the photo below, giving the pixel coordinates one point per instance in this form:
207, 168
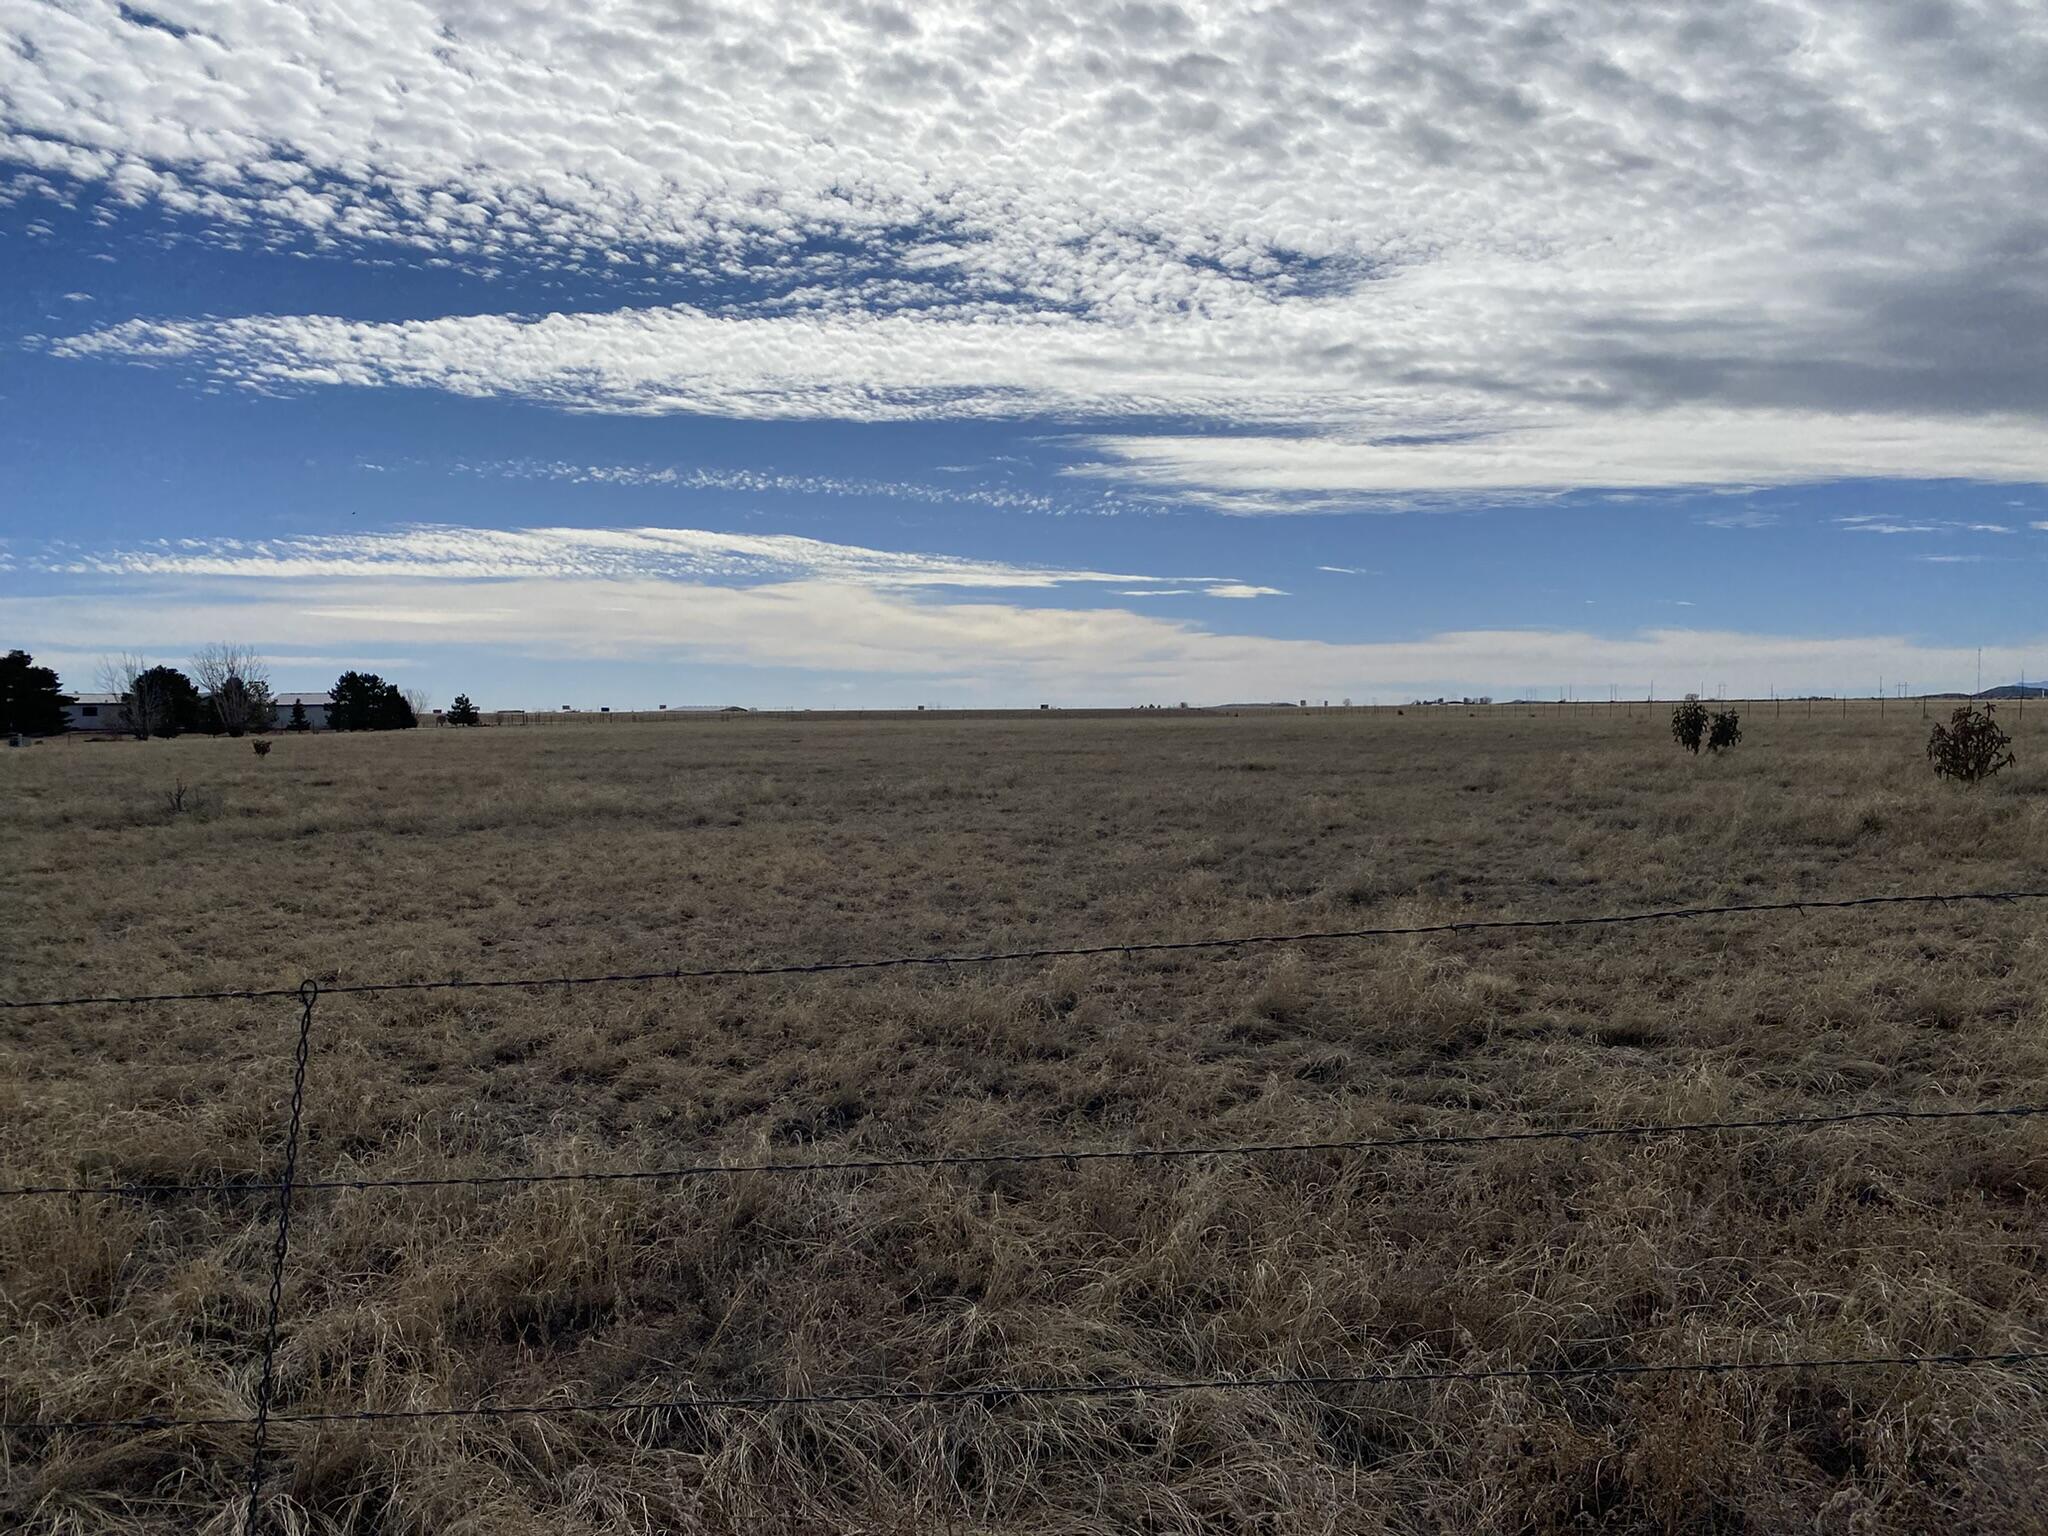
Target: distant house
97, 712
316, 710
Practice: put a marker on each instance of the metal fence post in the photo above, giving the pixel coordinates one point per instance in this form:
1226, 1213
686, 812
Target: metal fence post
309, 990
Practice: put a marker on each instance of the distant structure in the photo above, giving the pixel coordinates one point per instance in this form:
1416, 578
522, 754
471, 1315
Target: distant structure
96, 712
315, 705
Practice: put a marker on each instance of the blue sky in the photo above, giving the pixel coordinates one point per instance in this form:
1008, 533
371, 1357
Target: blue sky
995, 354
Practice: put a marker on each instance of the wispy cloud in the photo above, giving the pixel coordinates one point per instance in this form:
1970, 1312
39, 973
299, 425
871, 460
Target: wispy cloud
1878, 523
452, 553
1741, 517
777, 483
1001, 650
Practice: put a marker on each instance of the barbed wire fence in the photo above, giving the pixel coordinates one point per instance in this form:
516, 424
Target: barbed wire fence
287, 1186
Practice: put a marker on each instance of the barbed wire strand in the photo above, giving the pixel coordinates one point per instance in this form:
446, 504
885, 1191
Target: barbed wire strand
1069, 1157
1155, 946
996, 1394
309, 992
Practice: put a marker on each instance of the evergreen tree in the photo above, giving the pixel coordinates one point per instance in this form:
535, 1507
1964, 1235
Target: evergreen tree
164, 702
30, 701
462, 712
299, 722
363, 701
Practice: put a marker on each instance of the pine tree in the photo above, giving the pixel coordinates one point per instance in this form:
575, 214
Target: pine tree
30, 701
462, 712
363, 701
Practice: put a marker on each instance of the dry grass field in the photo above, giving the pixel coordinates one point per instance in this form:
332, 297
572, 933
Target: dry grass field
508, 852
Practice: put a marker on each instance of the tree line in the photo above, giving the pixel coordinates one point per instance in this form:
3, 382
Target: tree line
226, 693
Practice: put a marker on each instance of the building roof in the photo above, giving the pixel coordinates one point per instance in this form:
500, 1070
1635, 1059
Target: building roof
289, 699
97, 698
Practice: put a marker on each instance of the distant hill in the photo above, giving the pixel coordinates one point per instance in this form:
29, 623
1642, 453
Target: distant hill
1996, 695
2015, 691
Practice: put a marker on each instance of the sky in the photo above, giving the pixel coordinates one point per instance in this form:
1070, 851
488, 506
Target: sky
642, 352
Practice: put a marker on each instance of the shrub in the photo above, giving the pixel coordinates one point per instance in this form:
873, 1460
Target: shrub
462, 712
1970, 747
1725, 731
189, 800
262, 748
1689, 724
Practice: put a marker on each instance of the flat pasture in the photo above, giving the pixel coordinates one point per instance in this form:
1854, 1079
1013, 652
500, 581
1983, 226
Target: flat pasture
594, 848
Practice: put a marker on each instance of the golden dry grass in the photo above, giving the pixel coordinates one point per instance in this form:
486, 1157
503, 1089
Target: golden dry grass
587, 849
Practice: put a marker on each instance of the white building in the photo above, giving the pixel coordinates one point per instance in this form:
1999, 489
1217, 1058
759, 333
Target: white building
96, 712
316, 710
103, 711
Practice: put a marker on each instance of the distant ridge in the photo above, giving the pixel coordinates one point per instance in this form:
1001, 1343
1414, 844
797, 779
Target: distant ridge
2014, 691
2003, 691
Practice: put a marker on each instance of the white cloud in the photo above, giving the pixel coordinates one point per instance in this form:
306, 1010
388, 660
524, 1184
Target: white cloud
1681, 446
1241, 589
1741, 517
1873, 523
1347, 570
450, 553
1480, 247
996, 650
777, 483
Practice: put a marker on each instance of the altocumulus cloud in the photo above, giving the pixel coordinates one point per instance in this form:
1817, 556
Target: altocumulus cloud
1468, 248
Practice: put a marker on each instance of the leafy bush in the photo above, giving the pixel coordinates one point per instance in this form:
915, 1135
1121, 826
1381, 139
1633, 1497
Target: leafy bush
1689, 724
1970, 747
1725, 731
262, 748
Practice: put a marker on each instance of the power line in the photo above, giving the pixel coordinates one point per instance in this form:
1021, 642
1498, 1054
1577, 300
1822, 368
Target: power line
996, 1394
1156, 946
1070, 1158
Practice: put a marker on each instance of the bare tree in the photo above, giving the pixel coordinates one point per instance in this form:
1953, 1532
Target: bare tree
237, 682
421, 703
140, 708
